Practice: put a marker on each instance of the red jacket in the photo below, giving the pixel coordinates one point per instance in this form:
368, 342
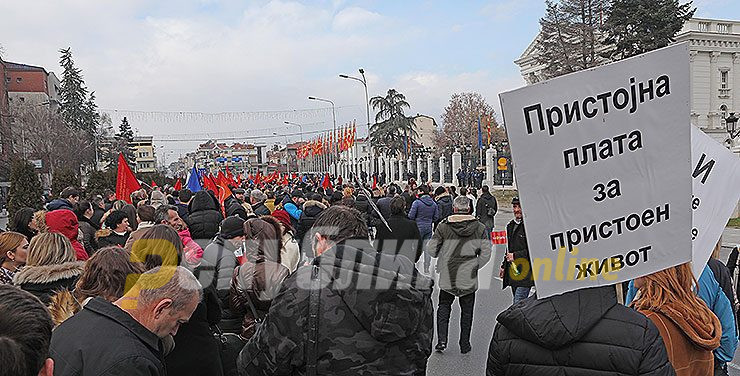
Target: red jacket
65, 222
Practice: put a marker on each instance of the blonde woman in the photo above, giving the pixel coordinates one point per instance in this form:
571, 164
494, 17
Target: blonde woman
688, 327
13, 252
51, 266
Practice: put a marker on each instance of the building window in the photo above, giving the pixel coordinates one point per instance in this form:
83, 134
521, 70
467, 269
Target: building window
723, 115
703, 26
19, 79
724, 28
723, 79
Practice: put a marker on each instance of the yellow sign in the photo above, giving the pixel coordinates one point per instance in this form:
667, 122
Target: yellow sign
502, 164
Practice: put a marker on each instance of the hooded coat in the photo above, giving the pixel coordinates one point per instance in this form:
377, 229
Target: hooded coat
361, 330
234, 207
425, 212
205, 216
65, 222
44, 281
463, 246
486, 208
444, 205
217, 269
311, 210
60, 203
258, 280
579, 333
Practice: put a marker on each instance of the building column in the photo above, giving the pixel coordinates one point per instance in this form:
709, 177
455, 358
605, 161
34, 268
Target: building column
456, 165
401, 169
430, 169
735, 83
418, 170
409, 166
491, 165
714, 120
388, 176
442, 165
393, 169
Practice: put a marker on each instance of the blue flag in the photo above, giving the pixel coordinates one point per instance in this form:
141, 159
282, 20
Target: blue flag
480, 135
193, 181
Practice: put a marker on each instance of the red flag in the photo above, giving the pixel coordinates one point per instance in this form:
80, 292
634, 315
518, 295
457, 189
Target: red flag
239, 180
285, 179
257, 179
221, 178
126, 182
326, 183
209, 183
498, 237
178, 184
375, 182
223, 193
153, 184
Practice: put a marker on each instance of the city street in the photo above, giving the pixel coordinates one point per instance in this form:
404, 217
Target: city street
490, 301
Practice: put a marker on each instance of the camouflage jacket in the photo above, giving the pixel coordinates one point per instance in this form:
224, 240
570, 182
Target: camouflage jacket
375, 318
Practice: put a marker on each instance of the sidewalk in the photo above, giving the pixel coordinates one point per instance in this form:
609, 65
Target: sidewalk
731, 237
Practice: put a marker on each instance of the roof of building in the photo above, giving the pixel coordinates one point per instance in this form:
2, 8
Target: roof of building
23, 67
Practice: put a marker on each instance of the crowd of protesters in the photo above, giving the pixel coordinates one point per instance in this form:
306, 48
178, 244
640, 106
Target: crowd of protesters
309, 279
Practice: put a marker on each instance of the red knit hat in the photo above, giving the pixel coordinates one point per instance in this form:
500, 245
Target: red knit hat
283, 217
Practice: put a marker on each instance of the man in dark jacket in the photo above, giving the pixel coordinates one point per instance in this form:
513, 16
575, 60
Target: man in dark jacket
67, 200
161, 300
405, 238
204, 218
518, 249
425, 212
217, 268
183, 200
463, 247
98, 206
373, 314
444, 203
584, 332
258, 199
486, 208
233, 204
311, 210
384, 204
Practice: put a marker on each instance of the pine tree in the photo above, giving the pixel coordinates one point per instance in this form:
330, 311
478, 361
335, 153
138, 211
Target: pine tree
25, 187
639, 26
124, 131
64, 178
555, 46
571, 38
73, 92
122, 142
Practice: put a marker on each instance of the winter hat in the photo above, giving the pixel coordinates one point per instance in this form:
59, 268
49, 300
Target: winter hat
515, 200
283, 217
232, 227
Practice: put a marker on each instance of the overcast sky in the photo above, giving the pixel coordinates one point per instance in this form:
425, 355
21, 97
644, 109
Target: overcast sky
251, 56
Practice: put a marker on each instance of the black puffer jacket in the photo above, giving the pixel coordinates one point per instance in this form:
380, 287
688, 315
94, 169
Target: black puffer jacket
234, 207
204, 218
444, 206
311, 210
363, 329
216, 269
584, 332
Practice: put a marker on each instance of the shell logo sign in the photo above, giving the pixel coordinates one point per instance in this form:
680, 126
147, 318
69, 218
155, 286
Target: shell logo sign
503, 164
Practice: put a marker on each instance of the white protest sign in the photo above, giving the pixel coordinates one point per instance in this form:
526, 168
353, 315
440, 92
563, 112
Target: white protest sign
716, 190
602, 158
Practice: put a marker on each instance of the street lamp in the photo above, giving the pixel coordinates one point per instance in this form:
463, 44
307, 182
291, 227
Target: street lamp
334, 121
300, 127
287, 158
731, 122
363, 81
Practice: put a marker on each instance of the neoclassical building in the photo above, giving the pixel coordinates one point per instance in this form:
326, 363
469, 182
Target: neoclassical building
715, 72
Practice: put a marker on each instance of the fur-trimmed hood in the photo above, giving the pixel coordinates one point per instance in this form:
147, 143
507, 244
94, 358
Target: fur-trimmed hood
62, 306
48, 273
311, 203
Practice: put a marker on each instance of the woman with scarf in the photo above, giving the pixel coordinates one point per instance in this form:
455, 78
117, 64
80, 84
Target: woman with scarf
688, 327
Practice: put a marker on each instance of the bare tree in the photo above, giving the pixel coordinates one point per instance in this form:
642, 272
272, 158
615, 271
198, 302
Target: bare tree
38, 132
460, 121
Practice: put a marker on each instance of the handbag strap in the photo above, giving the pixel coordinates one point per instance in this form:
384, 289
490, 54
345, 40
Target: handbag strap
257, 319
313, 322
